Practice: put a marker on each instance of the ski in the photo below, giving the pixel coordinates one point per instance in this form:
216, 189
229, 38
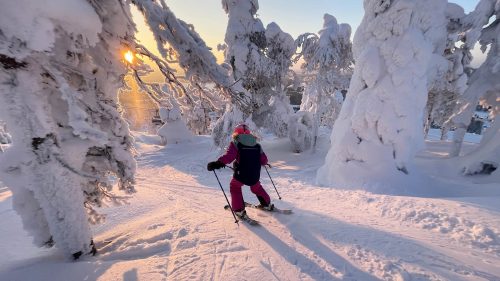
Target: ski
246, 219
250, 221
275, 209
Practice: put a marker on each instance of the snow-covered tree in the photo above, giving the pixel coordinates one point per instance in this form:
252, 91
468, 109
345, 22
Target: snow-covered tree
225, 125
280, 49
174, 129
379, 129
300, 131
196, 106
327, 62
484, 82
258, 60
207, 101
192, 53
485, 159
246, 42
450, 81
60, 70
195, 58
244, 53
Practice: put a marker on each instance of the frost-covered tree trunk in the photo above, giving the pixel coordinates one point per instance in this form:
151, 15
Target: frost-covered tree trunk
380, 126
484, 81
60, 70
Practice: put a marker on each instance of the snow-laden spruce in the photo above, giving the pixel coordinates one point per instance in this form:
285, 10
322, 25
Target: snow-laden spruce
327, 64
379, 129
259, 59
280, 49
484, 87
245, 39
244, 53
60, 70
450, 80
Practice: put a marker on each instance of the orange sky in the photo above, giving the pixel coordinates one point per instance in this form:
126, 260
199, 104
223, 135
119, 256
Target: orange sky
145, 36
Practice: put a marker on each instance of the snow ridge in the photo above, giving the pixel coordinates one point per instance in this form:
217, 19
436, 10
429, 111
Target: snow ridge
429, 215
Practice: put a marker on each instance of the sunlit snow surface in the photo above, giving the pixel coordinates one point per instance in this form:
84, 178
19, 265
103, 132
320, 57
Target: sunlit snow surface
176, 229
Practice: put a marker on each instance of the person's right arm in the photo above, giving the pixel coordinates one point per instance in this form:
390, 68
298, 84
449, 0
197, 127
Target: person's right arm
230, 155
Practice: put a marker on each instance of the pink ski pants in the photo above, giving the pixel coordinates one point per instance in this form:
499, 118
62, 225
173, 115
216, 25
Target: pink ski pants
237, 196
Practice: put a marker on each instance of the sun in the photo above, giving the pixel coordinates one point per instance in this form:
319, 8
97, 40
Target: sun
129, 56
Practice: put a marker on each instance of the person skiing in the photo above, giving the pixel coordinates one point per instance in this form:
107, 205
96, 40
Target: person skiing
248, 158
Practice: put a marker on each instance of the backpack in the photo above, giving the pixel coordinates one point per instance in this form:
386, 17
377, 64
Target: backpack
247, 167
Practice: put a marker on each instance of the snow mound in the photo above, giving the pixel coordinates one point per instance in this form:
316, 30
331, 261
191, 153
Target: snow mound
143, 138
433, 215
174, 130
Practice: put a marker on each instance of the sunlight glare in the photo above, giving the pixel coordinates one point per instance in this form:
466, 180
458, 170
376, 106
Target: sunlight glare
129, 57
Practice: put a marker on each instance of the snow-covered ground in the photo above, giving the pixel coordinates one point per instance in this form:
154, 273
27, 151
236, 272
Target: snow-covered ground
175, 228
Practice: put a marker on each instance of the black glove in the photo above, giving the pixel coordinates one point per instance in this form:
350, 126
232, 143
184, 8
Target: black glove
215, 165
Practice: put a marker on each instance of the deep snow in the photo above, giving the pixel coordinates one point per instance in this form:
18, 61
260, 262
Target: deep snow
175, 228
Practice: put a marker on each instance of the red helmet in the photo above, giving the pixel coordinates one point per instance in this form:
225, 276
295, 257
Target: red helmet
241, 129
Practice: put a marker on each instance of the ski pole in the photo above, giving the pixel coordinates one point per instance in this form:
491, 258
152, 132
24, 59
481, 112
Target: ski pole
227, 200
272, 182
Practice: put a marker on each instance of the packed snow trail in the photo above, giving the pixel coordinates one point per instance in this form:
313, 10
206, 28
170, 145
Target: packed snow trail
175, 228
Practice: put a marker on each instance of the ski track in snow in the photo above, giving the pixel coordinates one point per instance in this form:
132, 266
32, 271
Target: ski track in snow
175, 228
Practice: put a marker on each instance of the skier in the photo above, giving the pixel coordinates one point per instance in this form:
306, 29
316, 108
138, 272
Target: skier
248, 158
